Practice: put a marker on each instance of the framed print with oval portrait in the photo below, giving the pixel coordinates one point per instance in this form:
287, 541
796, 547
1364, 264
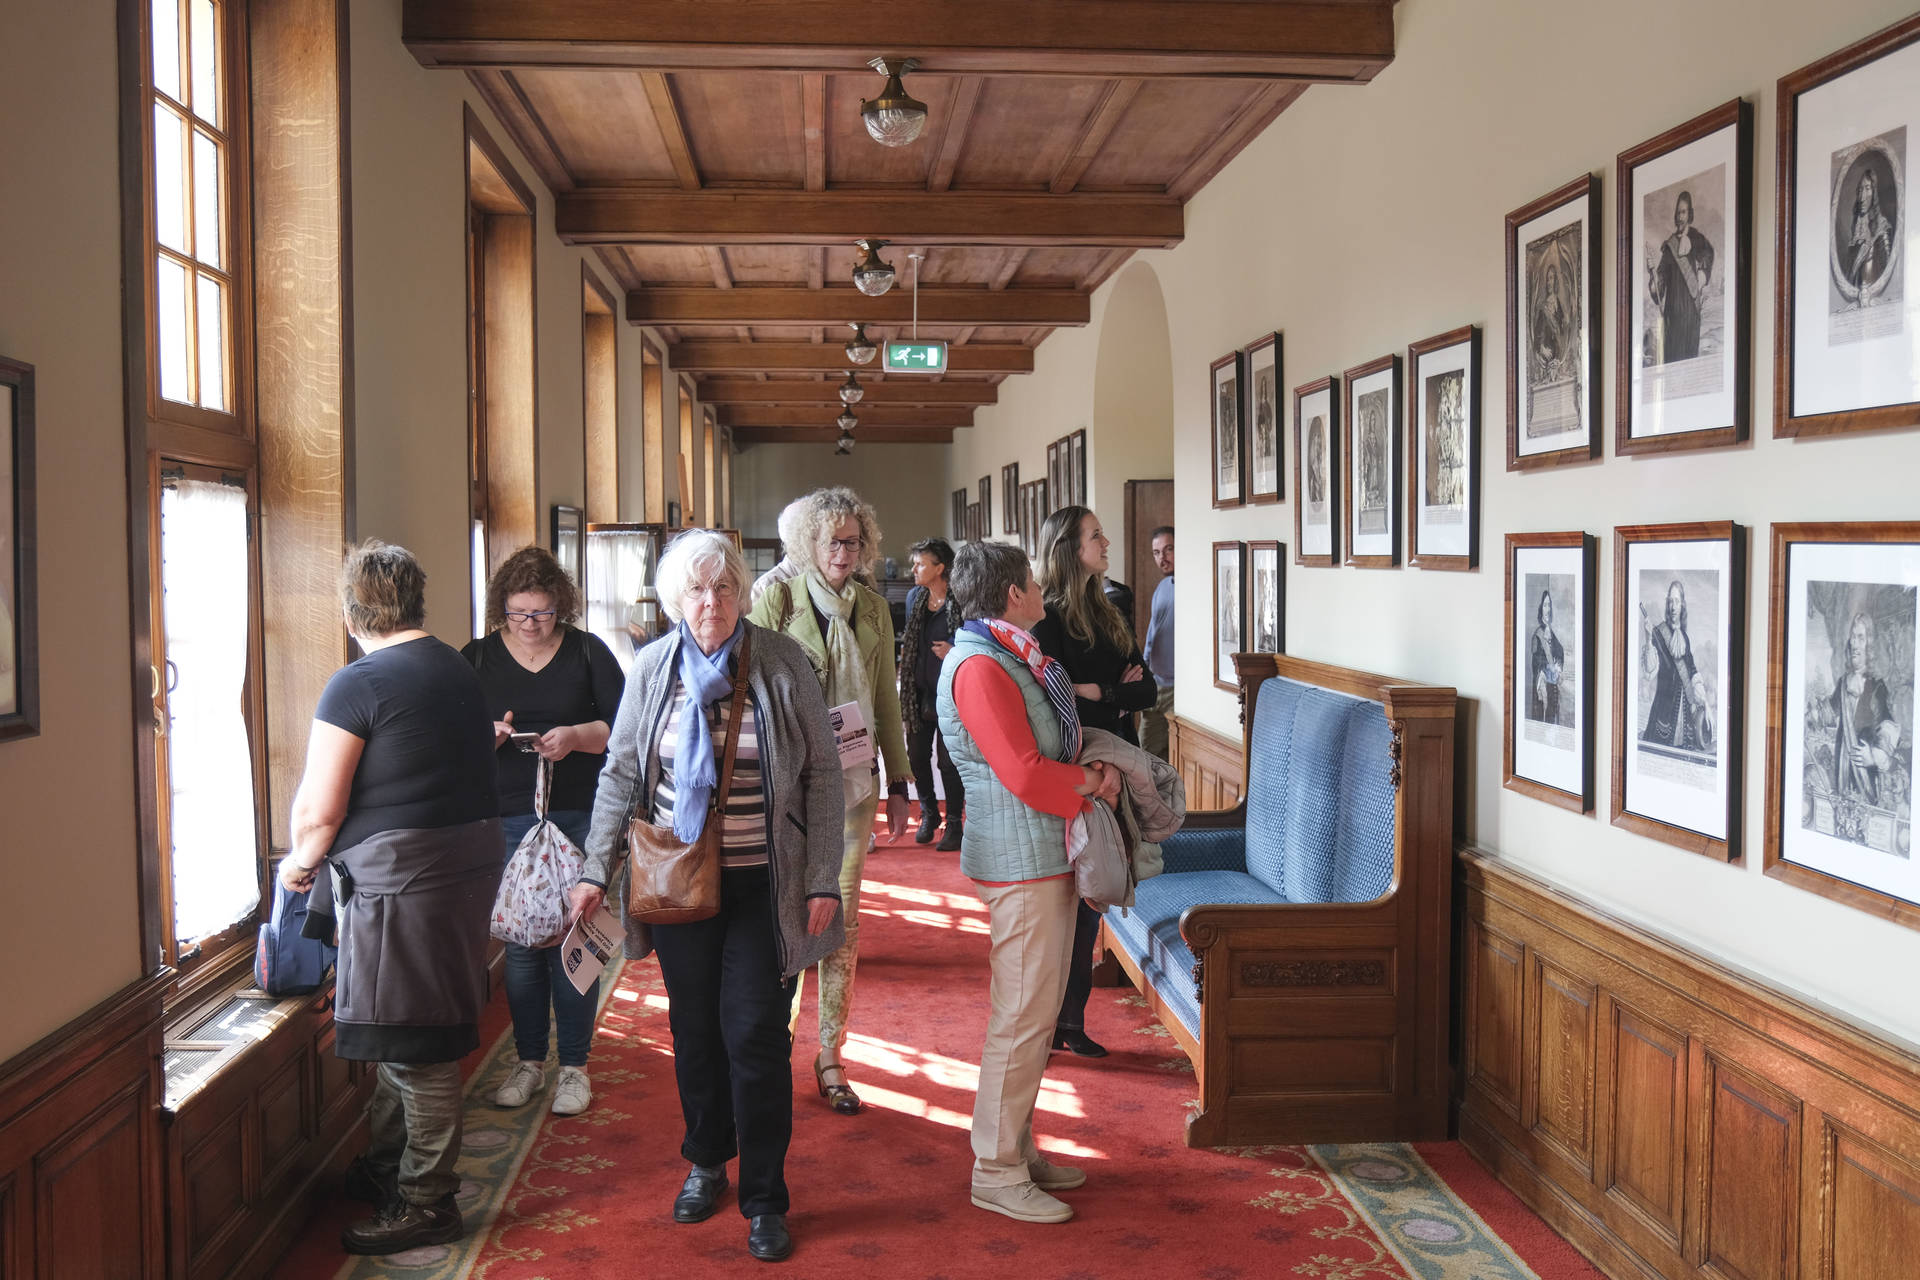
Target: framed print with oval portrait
1553, 328
1316, 473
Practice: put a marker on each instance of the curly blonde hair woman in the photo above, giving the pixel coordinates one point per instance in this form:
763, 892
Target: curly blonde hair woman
847, 631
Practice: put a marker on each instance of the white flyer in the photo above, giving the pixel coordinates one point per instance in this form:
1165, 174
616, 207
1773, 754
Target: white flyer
589, 945
851, 735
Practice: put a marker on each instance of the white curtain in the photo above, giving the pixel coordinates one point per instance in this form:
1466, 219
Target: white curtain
204, 582
619, 564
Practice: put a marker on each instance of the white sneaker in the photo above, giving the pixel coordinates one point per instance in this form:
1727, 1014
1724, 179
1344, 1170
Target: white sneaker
1022, 1202
571, 1093
525, 1081
1055, 1177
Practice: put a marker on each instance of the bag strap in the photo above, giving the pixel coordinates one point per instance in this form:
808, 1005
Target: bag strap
542, 787
725, 783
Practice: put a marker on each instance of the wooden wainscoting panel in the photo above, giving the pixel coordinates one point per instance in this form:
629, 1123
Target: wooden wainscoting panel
214, 1184
1874, 1222
1752, 1160
1646, 1120
1731, 1130
284, 1120
94, 1170
1493, 1030
1211, 764
1559, 1103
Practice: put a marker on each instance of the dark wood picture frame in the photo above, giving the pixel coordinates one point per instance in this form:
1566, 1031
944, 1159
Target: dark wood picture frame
1349, 463
986, 506
1077, 466
1791, 88
565, 519
1589, 676
17, 437
1786, 537
1331, 558
1010, 498
1470, 336
957, 509
1238, 549
1629, 280
1586, 187
1625, 660
1236, 361
1255, 496
1279, 550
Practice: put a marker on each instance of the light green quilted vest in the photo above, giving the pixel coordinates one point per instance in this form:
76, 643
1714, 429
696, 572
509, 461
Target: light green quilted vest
1003, 840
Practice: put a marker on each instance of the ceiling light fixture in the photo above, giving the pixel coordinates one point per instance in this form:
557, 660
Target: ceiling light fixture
844, 445
846, 421
893, 119
872, 275
851, 390
860, 348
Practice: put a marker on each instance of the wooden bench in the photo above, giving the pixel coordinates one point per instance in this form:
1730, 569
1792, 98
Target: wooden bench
1298, 945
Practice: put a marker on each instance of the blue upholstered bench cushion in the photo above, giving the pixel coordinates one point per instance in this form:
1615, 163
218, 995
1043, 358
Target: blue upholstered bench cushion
1150, 930
1319, 795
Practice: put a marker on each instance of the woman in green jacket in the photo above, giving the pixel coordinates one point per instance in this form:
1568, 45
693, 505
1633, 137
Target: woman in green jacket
848, 635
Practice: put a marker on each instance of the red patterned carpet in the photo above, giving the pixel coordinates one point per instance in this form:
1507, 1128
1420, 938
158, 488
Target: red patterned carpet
886, 1192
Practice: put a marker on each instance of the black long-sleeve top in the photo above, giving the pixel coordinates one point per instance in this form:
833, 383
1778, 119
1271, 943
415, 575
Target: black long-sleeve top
1099, 663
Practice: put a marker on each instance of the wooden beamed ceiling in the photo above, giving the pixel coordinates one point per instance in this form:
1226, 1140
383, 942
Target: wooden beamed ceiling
714, 158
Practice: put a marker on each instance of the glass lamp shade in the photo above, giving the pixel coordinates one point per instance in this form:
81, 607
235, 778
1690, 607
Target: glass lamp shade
860, 348
893, 119
851, 390
872, 275
846, 421
844, 444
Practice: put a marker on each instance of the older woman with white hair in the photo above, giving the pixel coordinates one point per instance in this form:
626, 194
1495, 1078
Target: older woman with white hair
847, 633
731, 978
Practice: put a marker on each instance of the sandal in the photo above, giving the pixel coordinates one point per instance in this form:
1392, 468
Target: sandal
840, 1097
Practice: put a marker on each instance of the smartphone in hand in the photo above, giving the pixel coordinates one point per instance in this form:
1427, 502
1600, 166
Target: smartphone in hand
524, 741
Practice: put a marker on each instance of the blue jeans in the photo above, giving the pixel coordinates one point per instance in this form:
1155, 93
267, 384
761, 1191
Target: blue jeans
535, 975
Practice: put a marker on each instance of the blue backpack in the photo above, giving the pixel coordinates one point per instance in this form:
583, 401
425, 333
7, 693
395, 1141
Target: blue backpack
285, 963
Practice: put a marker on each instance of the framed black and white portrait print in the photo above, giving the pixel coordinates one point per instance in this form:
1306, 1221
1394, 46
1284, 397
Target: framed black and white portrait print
1316, 473
1550, 680
1847, 307
1010, 498
1841, 668
1266, 597
1370, 452
1683, 303
1264, 457
1443, 450
1077, 467
1229, 455
1229, 611
1553, 328
1679, 601
958, 513
19, 595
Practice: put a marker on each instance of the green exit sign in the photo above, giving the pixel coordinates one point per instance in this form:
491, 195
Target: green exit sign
916, 357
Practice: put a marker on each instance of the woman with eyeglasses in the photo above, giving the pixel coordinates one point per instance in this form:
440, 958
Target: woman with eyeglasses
847, 632
553, 691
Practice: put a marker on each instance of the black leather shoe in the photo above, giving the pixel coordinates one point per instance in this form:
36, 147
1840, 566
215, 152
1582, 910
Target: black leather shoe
401, 1226
950, 843
1081, 1044
929, 824
364, 1184
767, 1237
699, 1194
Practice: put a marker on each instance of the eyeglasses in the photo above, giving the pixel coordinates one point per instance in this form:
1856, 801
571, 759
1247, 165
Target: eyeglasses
855, 545
541, 616
722, 590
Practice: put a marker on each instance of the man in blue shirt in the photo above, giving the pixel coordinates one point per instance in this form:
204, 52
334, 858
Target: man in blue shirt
1158, 650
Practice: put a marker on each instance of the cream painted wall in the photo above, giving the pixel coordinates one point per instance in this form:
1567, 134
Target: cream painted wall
1366, 218
902, 481
68, 842
410, 360
1114, 377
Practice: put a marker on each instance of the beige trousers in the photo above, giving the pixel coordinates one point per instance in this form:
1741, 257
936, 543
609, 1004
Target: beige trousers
1031, 926
837, 966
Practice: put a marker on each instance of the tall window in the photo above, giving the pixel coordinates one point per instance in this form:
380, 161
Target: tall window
192, 182
202, 456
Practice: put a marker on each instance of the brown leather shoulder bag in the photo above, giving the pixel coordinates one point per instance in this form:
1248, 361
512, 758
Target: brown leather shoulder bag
668, 880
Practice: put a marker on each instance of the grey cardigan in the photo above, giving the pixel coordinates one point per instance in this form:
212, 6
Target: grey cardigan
799, 766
